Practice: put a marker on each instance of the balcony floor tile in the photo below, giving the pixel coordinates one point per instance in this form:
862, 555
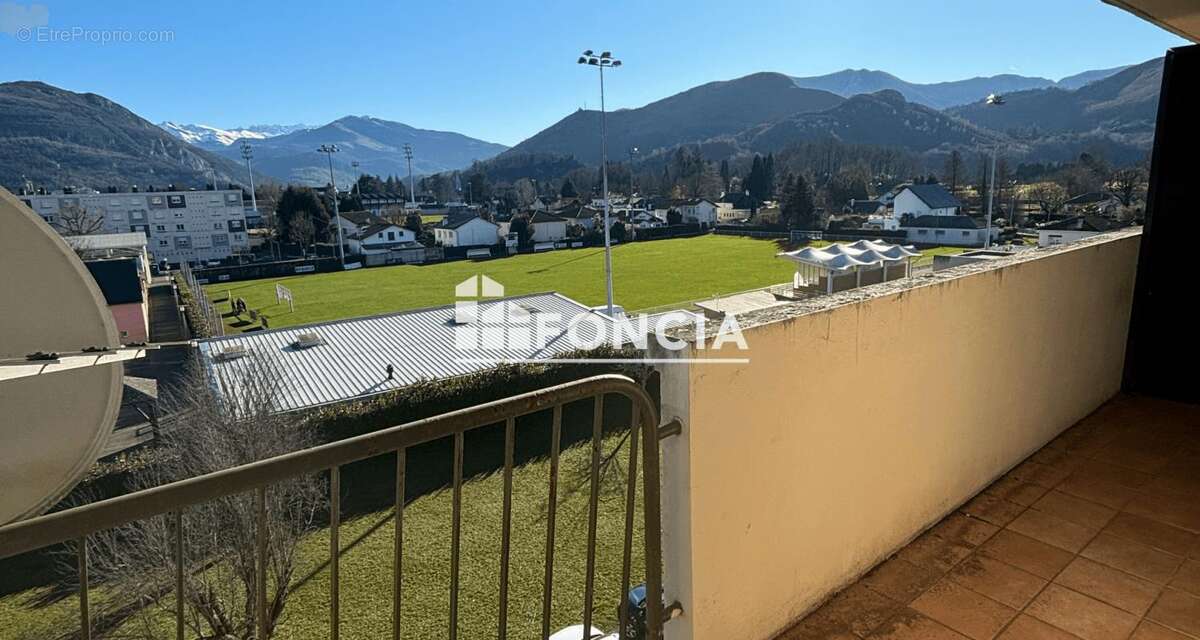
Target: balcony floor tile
1094, 537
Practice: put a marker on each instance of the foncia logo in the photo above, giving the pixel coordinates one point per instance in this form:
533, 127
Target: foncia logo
491, 328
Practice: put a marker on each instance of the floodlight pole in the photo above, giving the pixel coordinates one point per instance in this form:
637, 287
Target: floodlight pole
408, 154
604, 60
329, 150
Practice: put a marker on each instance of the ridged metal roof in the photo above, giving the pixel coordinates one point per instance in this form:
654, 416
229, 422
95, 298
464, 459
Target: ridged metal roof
420, 344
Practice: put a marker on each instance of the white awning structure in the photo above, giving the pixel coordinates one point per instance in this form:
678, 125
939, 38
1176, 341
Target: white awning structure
820, 267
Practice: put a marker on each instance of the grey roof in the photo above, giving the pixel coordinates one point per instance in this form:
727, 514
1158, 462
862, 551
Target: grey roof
541, 217
456, 221
376, 228
360, 218
934, 196
943, 222
1081, 223
420, 344
864, 207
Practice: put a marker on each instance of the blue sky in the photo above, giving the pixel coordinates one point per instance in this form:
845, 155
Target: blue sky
501, 71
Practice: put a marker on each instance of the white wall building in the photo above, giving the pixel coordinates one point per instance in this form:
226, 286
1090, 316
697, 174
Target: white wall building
547, 228
467, 231
925, 200
956, 231
181, 226
698, 211
1072, 229
380, 237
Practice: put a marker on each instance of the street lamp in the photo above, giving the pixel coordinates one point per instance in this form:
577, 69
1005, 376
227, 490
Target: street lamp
601, 61
329, 150
633, 152
993, 100
357, 189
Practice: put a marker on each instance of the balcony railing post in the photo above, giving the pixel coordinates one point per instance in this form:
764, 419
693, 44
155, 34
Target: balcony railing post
179, 575
593, 513
551, 512
456, 533
506, 527
85, 613
335, 550
653, 523
398, 543
630, 507
260, 582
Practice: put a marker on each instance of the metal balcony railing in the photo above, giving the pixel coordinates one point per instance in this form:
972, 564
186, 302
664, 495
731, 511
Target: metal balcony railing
78, 523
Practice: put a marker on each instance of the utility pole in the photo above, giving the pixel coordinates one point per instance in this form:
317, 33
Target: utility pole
633, 152
329, 150
408, 154
357, 189
601, 61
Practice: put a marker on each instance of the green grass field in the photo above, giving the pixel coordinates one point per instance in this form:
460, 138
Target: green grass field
366, 564
645, 275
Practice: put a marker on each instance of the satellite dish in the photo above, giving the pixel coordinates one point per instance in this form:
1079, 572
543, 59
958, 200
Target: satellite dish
56, 413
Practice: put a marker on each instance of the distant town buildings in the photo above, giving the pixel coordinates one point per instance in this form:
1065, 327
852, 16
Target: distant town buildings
1072, 229
925, 200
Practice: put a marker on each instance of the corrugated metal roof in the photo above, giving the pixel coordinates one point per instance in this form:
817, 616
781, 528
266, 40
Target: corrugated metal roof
100, 241
420, 344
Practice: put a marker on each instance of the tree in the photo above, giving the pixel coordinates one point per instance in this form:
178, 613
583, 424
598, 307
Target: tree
300, 207
674, 217
413, 222
207, 431
568, 189
798, 210
1049, 196
74, 220
520, 226
617, 232
1126, 184
953, 170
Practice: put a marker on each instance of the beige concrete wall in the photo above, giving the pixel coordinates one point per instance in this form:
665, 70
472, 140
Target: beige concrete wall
854, 428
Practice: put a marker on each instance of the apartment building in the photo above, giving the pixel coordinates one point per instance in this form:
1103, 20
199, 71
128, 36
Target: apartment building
180, 226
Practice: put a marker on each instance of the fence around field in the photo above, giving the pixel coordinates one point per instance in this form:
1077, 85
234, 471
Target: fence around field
173, 499
201, 304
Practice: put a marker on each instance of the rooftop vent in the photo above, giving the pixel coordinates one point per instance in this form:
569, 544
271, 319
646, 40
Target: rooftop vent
308, 341
232, 352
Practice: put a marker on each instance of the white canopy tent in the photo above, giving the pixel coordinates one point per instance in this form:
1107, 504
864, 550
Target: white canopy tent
869, 260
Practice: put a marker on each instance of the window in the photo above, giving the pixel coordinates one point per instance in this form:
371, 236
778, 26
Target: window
217, 226
137, 214
118, 216
158, 215
180, 227
922, 232
939, 232
183, 242
1056, 239
220, 239
391, 236
178, 214
966, 234
160, 227
163, 243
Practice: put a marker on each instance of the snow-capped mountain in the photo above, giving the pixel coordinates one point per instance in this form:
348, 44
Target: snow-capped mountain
213, 137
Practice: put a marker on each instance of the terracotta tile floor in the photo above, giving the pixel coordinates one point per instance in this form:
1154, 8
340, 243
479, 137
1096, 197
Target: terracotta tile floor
1094, 537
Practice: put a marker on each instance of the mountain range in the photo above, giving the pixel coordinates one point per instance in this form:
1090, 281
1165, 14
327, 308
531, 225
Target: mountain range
376, 144
53, 137
942, 95
213, 138
707, 111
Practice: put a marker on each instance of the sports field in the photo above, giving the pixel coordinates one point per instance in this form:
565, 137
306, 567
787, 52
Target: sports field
645, 275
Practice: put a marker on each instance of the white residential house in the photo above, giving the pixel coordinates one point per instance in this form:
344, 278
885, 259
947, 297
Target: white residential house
547, 228
467, 231
380, 237
698, 211
1072, 229
956, 231
925, 200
